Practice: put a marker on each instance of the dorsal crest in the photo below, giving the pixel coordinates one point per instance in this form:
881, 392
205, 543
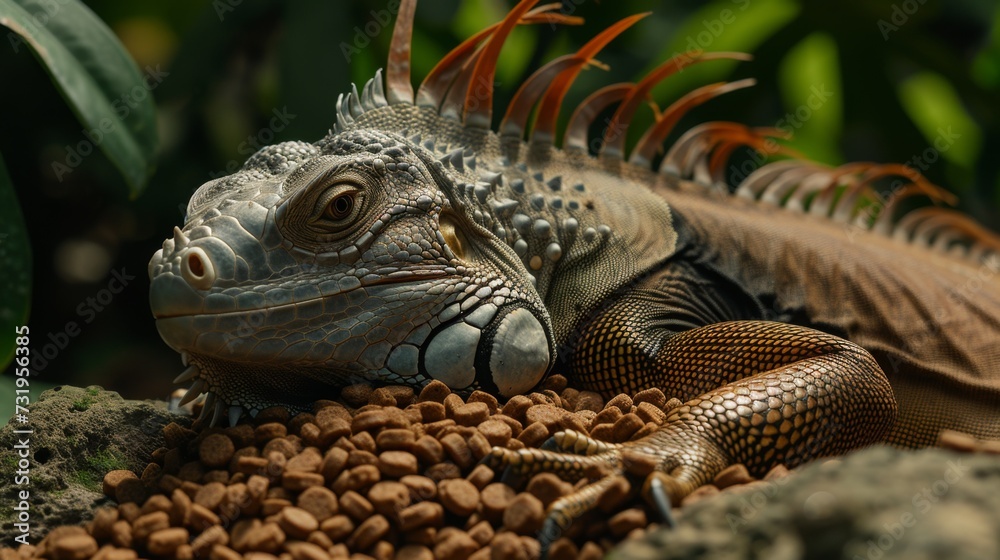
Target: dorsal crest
459, 90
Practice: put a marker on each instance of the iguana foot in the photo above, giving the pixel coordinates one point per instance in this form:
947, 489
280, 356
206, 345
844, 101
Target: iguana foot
669, 464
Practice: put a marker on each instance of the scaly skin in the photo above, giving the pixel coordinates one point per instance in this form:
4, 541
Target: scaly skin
408, 245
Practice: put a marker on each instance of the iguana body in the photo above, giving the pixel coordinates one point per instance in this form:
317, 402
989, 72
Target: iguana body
413, 243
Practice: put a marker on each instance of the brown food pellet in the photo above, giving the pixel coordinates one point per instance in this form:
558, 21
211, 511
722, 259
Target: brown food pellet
220, 552
431, 411
421, 514
338, 527
459, 496
429, 450
156, 502
591, 551
458, 546
297, 522
414, 552
625, 521
451, 403
534, 435
210, 495
626, 426
443, 471
435, 391
202, 517
457, 450
113, 479
74, 547
203, 543
216, 450
318, 501
700, 493
516, 407
381, 397
472, 414
308, 460
370, 531
167, 541
389, 498
299, 480
395, 439
397, 463
364, 442
563, 549
271, 430
482, 533
356, 505
495, 499
357, 395
733, 475
306, 551
369, 420
614, 494
497, 433
524, 515
333, 463
421, 488
649, 412
609, 415
589, 400
481, 476
149, 524
121, 534
506, 546
548, 488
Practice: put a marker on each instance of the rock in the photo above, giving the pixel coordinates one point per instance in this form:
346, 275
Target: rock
877, 503
78, 436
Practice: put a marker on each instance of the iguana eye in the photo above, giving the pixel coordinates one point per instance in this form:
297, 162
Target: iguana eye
340, 207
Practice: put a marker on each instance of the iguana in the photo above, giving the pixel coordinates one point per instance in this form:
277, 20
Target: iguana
415, 243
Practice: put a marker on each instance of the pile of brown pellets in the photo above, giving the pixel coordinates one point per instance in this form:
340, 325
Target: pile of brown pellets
384, 474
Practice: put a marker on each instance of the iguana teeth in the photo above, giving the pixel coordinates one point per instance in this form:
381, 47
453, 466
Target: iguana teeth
185, 358
234, 414
188, 374
197, 388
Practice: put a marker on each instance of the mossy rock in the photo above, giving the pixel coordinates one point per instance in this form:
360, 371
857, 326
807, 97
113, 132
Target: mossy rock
876, 504
77, 436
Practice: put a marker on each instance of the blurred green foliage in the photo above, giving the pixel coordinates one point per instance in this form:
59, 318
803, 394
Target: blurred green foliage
238, 74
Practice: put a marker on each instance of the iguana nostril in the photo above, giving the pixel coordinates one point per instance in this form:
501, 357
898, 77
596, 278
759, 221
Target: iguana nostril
197, 268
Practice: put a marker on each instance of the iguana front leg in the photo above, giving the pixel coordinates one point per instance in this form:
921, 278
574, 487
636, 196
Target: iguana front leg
760, 393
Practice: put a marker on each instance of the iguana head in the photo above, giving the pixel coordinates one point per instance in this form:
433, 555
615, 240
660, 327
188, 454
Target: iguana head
359, 257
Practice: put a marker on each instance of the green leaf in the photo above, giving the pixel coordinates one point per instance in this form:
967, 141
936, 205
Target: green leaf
15, 260
724, 25
810, 83
96, 76
937, 110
